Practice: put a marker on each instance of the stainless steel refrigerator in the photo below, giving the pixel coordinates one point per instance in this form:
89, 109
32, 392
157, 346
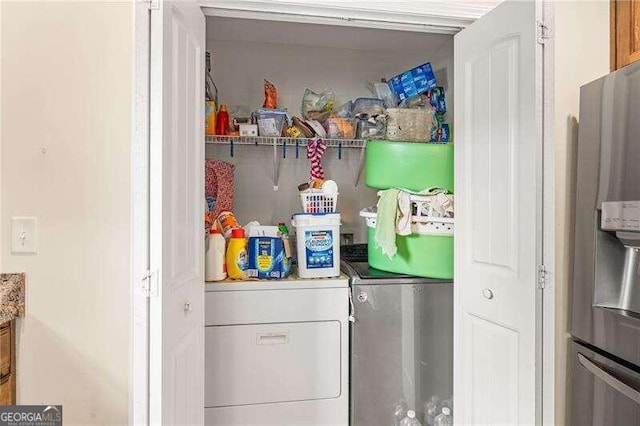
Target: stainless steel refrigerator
605, 312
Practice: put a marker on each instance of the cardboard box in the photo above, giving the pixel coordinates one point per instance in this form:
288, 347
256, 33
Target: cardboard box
413, 82
267, 258
248, 130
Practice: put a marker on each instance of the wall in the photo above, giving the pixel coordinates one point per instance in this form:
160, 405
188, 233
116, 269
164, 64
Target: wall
296, 57
581, 54
66, 105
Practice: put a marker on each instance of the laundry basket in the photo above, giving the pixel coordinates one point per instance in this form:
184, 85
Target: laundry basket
317, 201
426, 252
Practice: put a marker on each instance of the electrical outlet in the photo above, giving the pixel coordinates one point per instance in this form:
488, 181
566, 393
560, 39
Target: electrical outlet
24, 233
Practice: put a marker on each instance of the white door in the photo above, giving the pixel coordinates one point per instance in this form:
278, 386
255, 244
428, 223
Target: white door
177, 214
498, 165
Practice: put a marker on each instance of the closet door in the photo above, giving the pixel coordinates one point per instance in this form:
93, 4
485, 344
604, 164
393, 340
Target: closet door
177, 214
498, 164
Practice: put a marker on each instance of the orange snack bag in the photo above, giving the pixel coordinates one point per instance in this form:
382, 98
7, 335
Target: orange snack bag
270, 95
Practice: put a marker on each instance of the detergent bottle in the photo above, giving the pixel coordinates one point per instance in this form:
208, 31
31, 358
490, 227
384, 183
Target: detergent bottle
237, 259
215, 268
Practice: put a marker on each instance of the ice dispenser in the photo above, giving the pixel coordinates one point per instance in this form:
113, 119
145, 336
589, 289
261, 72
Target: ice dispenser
617, 277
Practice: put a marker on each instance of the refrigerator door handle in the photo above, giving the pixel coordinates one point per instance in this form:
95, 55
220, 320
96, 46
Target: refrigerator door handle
609, 379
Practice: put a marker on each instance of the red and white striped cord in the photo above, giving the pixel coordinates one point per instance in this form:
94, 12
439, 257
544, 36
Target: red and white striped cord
315, 149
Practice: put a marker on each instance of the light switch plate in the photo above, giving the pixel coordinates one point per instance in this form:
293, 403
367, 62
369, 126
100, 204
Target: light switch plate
24, 235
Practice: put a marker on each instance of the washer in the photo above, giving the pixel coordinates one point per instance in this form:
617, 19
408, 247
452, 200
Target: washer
401, 341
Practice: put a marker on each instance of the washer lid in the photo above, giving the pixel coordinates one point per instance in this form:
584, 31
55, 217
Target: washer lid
367, 274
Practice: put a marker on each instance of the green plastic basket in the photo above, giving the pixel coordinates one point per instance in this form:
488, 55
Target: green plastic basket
409, 165
429, 256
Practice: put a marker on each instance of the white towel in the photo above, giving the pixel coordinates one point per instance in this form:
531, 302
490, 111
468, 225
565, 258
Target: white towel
403, 224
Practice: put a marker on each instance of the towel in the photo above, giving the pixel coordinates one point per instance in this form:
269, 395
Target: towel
385, 236
403, 226
219, 184
315, 149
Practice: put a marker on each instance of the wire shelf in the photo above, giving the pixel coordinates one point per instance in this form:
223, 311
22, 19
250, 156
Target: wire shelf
280, 147
279, 141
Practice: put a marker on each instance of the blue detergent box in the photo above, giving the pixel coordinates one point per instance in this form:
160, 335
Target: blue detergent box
436, 99
413, 82
267, 258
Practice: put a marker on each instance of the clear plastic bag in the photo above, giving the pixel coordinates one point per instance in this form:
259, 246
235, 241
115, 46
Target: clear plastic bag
383, 91
316, 105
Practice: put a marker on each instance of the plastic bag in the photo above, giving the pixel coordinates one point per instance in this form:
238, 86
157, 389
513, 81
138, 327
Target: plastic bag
316, 105
270, 95
383, 91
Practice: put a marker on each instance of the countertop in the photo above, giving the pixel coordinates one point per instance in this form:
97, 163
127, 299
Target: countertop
289, 283
11, 296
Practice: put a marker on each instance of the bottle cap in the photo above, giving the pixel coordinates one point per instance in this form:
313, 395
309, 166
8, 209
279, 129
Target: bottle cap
446, 411
214, 231
223, 107
411, 414
237, 233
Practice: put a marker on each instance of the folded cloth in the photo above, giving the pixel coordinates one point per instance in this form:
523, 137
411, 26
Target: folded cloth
385, 236
219, 184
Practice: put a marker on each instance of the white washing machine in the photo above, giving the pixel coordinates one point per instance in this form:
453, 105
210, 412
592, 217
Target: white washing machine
277, 352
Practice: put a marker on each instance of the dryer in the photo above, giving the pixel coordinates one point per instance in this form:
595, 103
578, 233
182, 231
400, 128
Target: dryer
277, 352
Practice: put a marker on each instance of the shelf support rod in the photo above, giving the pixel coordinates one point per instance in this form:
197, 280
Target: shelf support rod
275, 164
360, 165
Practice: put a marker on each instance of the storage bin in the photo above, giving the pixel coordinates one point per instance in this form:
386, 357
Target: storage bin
318, 243
413, 166
427, 252
410, 124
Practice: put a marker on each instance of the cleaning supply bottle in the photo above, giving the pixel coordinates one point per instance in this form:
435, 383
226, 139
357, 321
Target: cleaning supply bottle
284, 234
237, 259
214, 266
222, 120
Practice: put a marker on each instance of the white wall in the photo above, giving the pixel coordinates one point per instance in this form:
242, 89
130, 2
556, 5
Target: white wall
66, 104
581, 55
298, 56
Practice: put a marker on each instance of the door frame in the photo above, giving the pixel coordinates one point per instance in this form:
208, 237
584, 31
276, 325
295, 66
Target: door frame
140, 179
547, 302
139, 367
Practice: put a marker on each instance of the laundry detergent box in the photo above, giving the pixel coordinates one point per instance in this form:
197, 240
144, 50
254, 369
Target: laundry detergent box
413, 82
267, 259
